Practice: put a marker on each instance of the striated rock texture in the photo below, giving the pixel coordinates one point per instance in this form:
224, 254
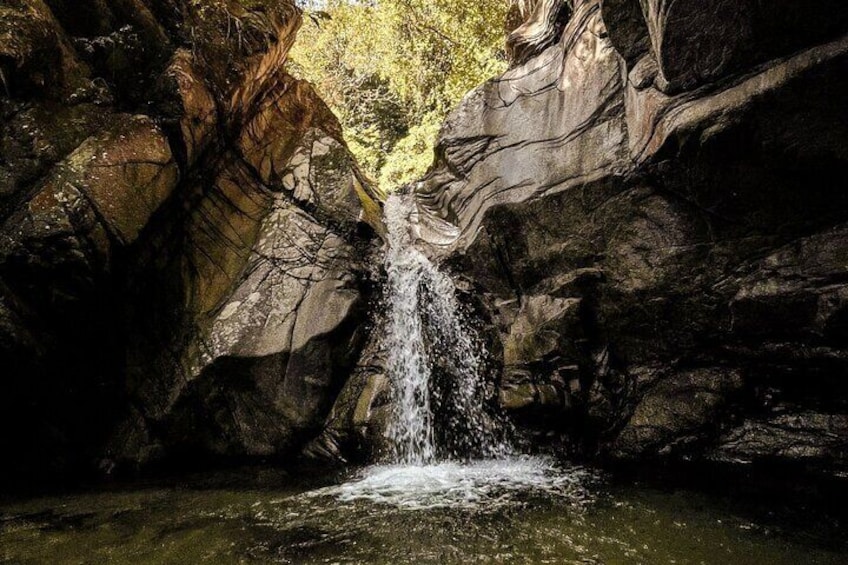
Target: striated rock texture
182, 236
654, 211
538, 25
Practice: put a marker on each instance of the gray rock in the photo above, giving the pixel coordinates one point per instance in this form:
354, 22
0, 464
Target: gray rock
541, 24
674, 414
698, 41
671, 169
805, 437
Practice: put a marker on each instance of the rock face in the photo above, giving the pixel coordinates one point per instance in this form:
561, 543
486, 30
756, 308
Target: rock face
648, 210
653, 210
539, 23
182, 236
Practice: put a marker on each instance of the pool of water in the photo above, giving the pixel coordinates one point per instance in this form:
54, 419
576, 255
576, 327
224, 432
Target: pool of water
521, 510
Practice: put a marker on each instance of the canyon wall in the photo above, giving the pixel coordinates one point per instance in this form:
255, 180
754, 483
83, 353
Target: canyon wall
647, 212
183, 237
653, 211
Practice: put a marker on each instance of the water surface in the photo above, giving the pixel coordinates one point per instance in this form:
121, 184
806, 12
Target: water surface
521, 510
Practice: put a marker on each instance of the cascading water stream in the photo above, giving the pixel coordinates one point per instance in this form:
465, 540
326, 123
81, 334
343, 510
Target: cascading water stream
411, 429
449, 448
425, 330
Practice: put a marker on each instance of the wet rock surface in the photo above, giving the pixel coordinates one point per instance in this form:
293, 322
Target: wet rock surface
182, 234
657, 201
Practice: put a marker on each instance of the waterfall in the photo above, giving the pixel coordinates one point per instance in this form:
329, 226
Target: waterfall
427, 336
450, 447
411, 428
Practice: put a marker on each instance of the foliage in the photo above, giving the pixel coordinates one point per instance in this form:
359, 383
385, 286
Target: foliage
392, 69
411, 155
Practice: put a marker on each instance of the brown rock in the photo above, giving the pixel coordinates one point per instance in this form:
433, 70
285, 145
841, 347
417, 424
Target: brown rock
127, 172
163, 290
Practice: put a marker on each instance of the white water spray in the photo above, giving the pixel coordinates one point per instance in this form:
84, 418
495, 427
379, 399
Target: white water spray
449, 451
411, 429
426, 333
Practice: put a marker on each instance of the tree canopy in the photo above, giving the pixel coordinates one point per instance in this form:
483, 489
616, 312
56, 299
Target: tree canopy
392, 69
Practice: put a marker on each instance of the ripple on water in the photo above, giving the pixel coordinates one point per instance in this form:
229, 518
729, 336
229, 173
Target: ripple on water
485, 484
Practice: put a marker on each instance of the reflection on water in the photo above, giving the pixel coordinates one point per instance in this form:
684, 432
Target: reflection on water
517, 511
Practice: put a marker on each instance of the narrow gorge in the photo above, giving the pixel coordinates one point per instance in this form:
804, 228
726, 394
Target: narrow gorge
624, 273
